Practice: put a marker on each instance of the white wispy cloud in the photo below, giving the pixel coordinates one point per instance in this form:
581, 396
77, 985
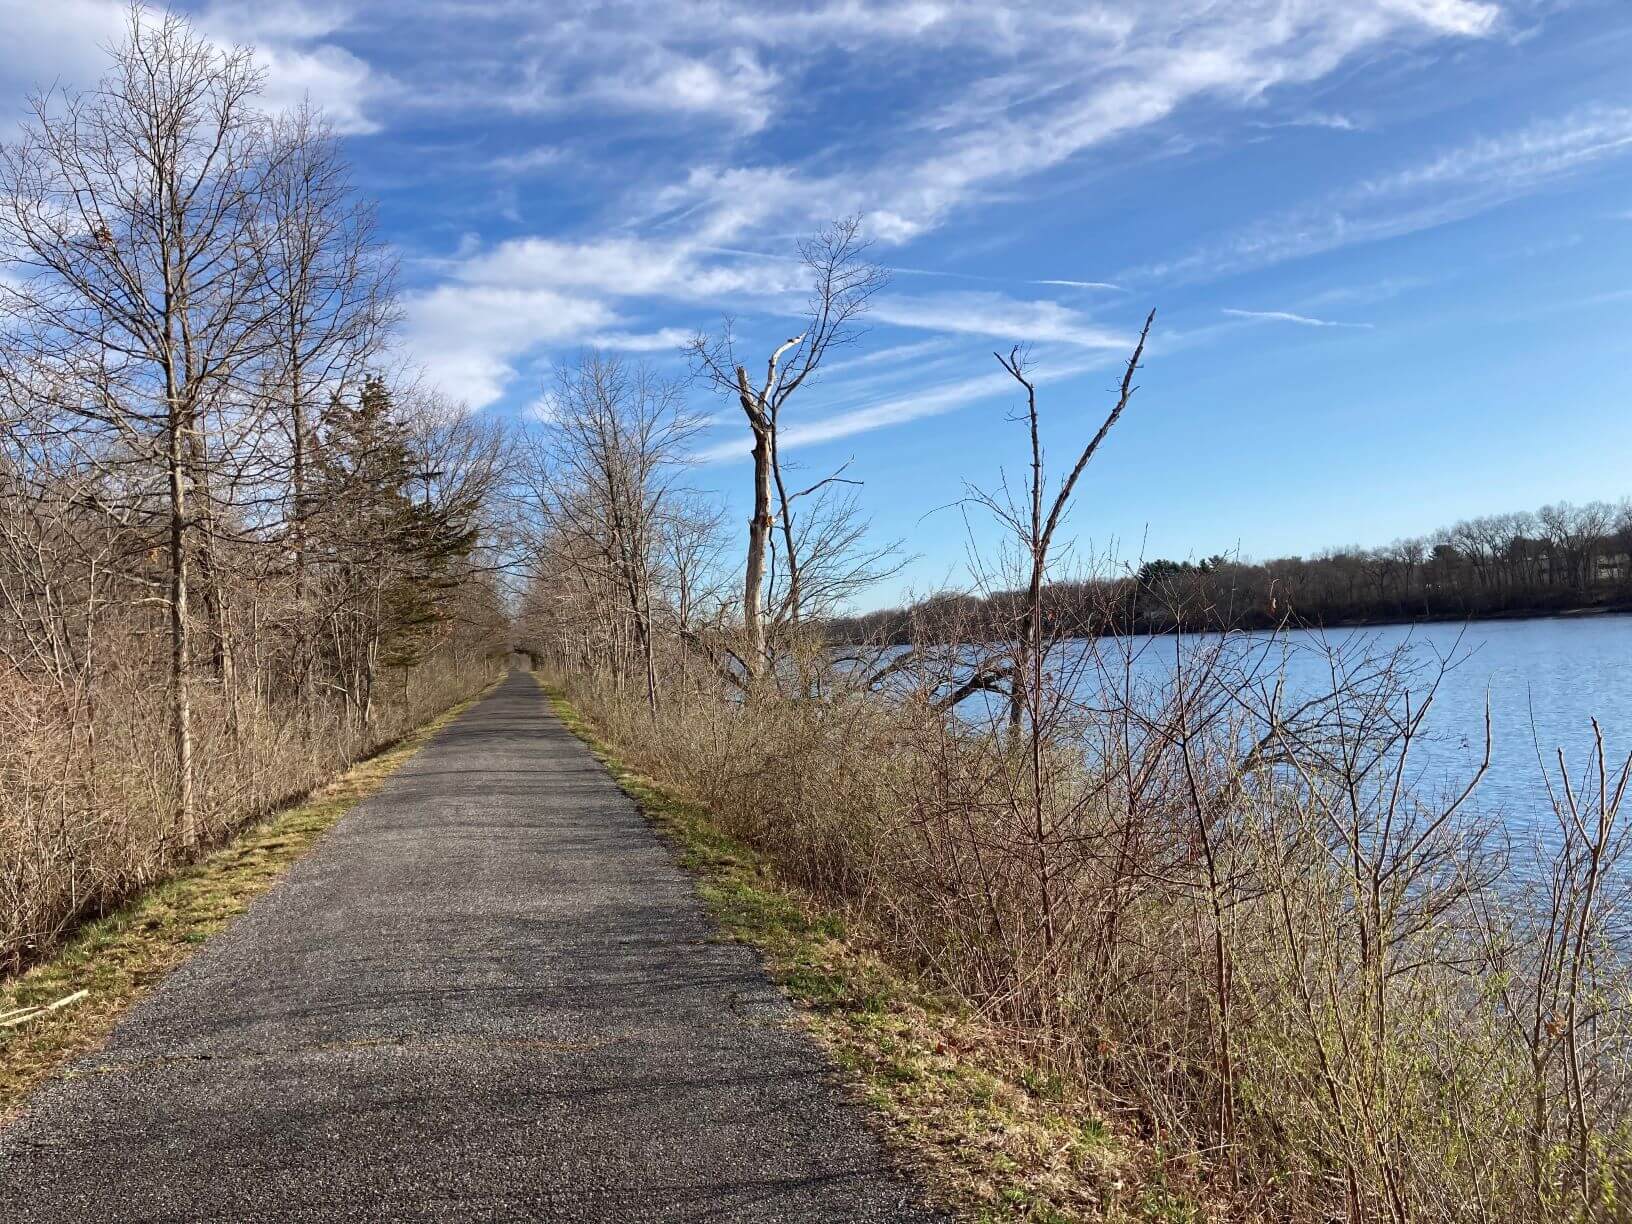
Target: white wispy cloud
497, 305
332, 77
61, 42
1331, 120
645, 77
1455, 184
527, 161
1084, 81
999, 317
1366, 293
627, 266
1038, 86
1287, 316
894, 354
469, 336
1518, 160
578, 291
891, 409
946, 274
1077, 284
55, 43
663, 339
1607, 298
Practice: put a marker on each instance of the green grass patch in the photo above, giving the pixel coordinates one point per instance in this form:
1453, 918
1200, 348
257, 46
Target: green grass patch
993, 1136
119, 958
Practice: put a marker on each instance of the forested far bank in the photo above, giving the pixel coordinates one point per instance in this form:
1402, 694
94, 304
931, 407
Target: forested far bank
1560, 558
236, 550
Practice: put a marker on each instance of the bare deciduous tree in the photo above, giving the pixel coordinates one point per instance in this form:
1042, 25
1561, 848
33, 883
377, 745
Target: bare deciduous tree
191, 297
331, 281
1034, 524
843, 283
131, 214
603, 482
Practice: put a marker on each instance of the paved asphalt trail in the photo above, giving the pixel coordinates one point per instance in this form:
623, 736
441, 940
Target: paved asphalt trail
488, 994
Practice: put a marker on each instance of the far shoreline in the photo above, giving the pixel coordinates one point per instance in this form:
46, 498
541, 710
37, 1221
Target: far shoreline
1584, 612
1589, 611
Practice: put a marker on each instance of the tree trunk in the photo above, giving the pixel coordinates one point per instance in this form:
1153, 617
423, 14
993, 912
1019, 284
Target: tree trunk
180, 646
759, 538
214, 589
297, 479
647, 646
305, 644
795, 599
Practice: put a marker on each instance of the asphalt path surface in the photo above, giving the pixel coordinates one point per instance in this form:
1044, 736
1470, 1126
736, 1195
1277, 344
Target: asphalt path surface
488, 994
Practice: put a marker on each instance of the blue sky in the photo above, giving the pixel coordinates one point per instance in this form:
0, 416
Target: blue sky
1389, 241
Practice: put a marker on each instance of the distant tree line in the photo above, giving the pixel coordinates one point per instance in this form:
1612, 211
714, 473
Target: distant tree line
1558, 558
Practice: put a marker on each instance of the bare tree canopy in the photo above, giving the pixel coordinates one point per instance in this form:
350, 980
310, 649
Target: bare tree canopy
207, 489
828, 540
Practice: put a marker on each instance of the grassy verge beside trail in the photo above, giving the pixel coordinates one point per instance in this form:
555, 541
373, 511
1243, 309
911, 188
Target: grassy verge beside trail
992, 1136
119, 958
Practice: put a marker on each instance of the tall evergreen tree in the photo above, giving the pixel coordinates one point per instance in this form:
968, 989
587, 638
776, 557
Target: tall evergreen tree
387, 553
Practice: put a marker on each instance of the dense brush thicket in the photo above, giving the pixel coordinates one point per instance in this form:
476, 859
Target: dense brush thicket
233, 555
1316, 992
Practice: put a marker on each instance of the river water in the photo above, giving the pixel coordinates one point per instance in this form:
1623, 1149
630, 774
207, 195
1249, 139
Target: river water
1546, 679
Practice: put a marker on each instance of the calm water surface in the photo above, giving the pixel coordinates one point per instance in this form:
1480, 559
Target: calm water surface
1546, 679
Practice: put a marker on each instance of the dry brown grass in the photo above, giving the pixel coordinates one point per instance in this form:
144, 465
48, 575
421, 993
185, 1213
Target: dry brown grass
993, 1133
85, 824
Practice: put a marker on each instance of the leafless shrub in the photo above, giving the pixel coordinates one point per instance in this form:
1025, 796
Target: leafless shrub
1230, 901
